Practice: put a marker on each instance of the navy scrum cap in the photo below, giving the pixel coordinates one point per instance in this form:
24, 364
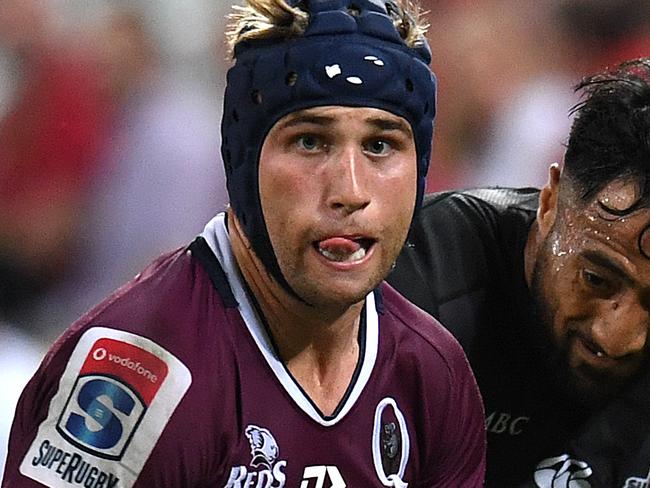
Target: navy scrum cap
350, 54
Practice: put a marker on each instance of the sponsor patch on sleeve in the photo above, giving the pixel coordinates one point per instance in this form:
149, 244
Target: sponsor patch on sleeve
115, 397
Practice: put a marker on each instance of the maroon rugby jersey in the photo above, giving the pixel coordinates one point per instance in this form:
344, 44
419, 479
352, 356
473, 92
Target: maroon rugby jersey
174, 382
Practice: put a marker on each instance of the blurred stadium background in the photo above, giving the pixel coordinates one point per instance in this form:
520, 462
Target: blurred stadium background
109, 132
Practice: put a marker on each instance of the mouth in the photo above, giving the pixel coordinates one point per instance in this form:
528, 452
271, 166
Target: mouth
588, 373
591, 347
344, 249
594, 358
592, 355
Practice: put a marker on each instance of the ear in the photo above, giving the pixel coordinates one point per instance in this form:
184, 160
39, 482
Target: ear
547, 210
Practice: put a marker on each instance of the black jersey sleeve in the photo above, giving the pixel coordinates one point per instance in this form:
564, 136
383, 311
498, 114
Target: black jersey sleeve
464, 256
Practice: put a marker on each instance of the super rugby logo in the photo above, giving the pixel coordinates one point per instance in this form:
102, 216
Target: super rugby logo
113, 390
264, 454
116, 395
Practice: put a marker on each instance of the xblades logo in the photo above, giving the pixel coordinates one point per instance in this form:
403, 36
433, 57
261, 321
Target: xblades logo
320, 474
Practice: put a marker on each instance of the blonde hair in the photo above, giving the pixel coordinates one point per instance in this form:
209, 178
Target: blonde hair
266, 19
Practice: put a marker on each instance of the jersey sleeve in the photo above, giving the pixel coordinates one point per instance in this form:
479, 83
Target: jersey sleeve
463, 442
94, 410
31, 410
447, 273
463, 251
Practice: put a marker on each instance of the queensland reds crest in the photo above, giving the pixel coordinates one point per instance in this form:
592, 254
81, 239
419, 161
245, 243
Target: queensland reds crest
113, 390
264, 449
264, 457
390, 444
562, 472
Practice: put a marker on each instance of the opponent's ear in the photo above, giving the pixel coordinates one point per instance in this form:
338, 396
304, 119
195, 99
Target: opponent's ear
547, 210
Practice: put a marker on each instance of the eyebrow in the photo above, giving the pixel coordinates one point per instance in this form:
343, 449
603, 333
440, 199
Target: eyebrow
300, 119
380, 123
604, 261
390, 124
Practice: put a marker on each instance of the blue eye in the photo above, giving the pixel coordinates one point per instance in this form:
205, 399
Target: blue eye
378, 147
308, 142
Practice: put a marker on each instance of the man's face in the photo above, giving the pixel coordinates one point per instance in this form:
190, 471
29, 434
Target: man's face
592, 287
337, 187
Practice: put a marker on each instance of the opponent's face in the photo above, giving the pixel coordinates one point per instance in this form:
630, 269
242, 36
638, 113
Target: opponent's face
337, 187
592, 285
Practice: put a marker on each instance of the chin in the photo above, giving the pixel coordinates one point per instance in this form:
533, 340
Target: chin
589, 390
334, 297
335, 291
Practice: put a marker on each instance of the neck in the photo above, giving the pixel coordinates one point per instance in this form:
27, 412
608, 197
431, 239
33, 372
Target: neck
318, 345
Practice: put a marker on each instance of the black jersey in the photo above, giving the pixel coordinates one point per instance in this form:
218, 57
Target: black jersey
464, 264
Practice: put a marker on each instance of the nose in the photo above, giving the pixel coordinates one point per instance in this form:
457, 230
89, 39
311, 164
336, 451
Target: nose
347, 186
622, 327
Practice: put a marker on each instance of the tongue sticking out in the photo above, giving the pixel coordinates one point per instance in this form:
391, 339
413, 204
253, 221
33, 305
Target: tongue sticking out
341, 249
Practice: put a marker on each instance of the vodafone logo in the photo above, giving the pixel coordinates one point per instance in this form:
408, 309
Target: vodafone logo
100, 354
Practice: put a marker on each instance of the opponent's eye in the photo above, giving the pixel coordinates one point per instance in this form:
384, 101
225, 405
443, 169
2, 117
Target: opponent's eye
594, 280
378, 147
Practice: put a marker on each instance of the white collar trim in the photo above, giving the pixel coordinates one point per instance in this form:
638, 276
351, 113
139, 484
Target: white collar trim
216, 235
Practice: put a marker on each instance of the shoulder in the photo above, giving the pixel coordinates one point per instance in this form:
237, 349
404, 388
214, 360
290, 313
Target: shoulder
139, 329
139, 350
458, 226
438, 370
486, 206
470, 230
158, 303
462, 242
152, 326
419, 335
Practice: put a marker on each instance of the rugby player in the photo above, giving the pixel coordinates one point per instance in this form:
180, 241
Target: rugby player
269, 352
549, 294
